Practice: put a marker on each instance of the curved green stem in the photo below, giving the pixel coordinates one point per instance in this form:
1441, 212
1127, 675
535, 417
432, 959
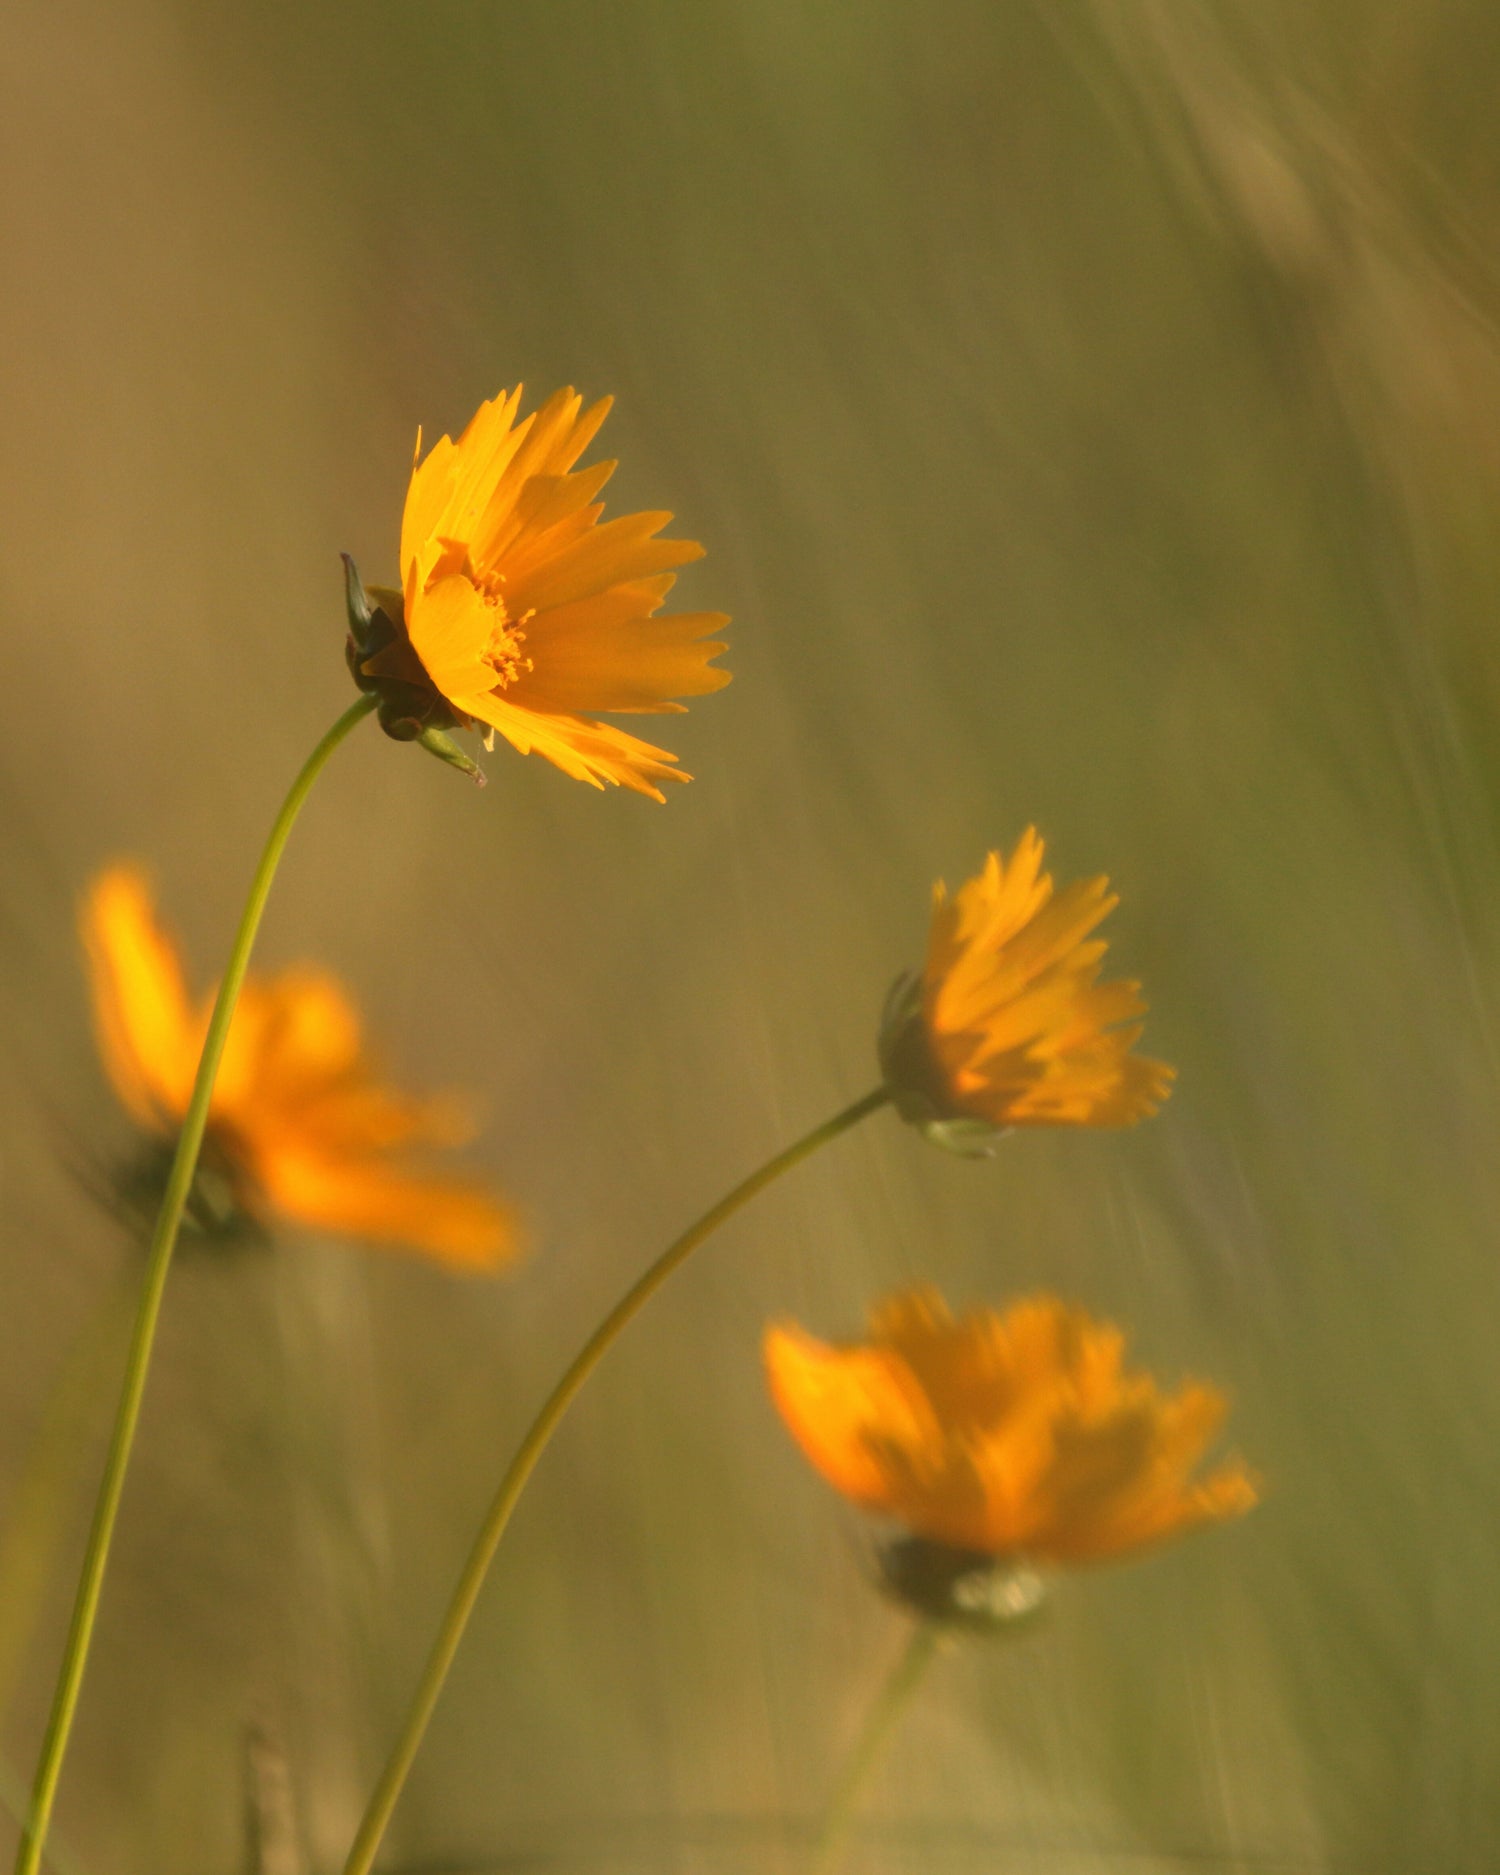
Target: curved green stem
43, 1503
880, 1723
383, 1801
158, 1262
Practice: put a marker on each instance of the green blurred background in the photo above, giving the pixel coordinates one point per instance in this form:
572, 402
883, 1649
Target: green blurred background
1092, 411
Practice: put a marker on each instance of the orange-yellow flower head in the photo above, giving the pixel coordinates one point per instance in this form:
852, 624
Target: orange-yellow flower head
300, 1123
519, 611
1017, 1437
1008, 1024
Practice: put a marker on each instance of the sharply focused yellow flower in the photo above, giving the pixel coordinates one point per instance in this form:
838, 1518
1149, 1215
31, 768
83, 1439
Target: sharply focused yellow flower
300, 1123
1014, 1437
520, 612
1008, 1024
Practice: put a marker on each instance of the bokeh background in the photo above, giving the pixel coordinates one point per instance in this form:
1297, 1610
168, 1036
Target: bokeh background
1092, 410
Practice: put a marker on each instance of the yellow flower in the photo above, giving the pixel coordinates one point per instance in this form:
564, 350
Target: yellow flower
299, 1119
519, 611
1016, 1437
1008, 1024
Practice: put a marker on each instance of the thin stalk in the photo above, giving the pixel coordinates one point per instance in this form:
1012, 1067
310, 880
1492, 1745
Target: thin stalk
383, 1800
14, 1798
44, 1501
880, 1723
158, 1262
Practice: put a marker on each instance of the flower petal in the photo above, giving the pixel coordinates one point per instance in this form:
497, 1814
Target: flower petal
1016, 1435
148, 1036
459, 1224
297, 1105
609, 653
849, 1410
450, 628
617, 553
593, 752
1013, 1027
447, 485
528, 613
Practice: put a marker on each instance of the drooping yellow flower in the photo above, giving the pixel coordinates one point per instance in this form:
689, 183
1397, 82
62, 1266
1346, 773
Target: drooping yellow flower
1008, 1024
1016, 1436
519, 611
300, 1121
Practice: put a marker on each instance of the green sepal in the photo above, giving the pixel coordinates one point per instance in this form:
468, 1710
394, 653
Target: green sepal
963, 1589
446, 750
963, 1137
915, 1085
384, 664
356, 603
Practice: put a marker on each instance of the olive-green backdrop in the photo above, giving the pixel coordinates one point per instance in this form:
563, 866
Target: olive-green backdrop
1092, 412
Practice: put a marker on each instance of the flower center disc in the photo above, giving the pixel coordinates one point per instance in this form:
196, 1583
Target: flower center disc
503, 652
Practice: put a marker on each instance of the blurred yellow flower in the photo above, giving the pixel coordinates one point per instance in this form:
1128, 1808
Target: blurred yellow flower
1008, 1024
1014, 1436
519, 611
299, 1117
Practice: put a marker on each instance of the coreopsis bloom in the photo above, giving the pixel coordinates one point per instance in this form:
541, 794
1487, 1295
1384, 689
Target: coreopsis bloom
1001, 1441
520, 612
1008, 1024
301, 1126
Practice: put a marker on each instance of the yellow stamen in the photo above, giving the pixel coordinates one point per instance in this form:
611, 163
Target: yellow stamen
503, 652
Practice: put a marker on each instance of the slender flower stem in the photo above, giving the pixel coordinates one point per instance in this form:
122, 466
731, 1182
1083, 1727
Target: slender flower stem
383, 1801
43, 1503
880, 1723
14, 1800
158, 1262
